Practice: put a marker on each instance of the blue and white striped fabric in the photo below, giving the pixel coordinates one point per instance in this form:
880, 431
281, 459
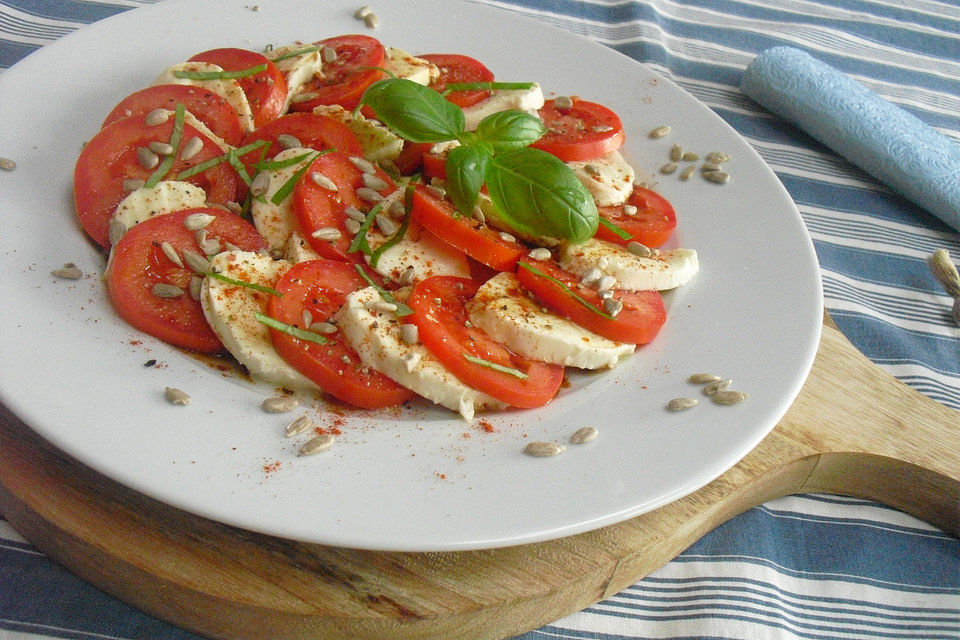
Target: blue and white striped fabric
802, 567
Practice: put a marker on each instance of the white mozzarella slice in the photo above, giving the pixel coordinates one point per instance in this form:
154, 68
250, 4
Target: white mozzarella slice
608, 178
378, 142
229, 89
297, 69
166, 197
422, 250
376, 337
528, 100
406, 65
298, 249
666, 269
502, 308
276, 222
231, 312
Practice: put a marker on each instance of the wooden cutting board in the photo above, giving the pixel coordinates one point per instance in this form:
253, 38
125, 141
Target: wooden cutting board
853, 430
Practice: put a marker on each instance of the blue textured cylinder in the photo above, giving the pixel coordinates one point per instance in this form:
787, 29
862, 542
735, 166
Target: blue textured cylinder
892, 145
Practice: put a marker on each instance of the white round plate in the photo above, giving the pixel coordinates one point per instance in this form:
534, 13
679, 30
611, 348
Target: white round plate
419, 478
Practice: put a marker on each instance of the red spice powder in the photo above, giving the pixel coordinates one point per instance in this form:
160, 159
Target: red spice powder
273, 466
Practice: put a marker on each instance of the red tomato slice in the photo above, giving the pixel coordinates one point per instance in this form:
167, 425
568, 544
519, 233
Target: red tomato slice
585, 131
266, 91
209, 108
439, 313
651, 225
482, 243
411, 157
638, 322
138, 263
459, 68
312, 130
346, 78
111, 157
317, 207
435, 165
321, 287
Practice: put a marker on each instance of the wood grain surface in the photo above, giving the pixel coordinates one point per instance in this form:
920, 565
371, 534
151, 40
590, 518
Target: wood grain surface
853, 430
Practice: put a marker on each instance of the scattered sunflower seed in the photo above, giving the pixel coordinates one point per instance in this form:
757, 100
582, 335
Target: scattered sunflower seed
352, 225
606, 282
196, 285
132, 184
408, 276
279, 404
7, 164
317, 444
478, 215
160, 148
362, 12
381, 306
197, 221
147, 158
116, 230
288, 141
945, 271
171, 253
676, 153
591, 276
409, 333
679, 404
630, 210
687, 172
729, 397
176, 396
601, 128
591, 169
703, 378
196, 262
717, 157
68, 271
659, 132
323, 181
298, 426
329, 234
612, 306
369, 195
506, 237
209, 246
540, 253
191, 148
374, 182
563, 103
326, 328
156, 117
387, 226
260, 184
689, 156
329, 54
355, 214
371, 20
639, 249
668, 168
716, 386
165, 290
710, 166
584, 435
543, 449
720, 177
363, 164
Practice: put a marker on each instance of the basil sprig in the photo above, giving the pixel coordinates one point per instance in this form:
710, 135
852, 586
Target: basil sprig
533, 191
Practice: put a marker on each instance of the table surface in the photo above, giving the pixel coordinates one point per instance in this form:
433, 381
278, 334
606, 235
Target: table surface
810, 566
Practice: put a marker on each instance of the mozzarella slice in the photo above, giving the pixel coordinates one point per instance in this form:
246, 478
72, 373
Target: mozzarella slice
402, 64
608, 178
507, 314
298, 69
228, 89
166, 197
528, 100
665, 269
378, 142
422, 250
230, 309
376, 337
298, 249
276, 222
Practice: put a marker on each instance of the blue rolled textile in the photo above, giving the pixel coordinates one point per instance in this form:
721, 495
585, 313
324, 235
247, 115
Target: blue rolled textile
892, 145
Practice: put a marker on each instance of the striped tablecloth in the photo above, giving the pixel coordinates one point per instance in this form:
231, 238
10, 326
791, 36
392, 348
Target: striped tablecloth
810, 566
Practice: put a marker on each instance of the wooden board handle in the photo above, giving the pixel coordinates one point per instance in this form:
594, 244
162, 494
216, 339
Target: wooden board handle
853, 430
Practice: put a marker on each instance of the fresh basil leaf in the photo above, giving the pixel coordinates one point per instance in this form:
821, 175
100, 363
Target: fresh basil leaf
466, 170
509, 130
414, 112
536, 193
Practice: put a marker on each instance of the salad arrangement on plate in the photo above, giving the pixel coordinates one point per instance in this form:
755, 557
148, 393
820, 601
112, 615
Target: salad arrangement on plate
348, 218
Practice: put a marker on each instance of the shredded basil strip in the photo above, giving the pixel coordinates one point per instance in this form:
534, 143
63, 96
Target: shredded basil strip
293, 54
617, 230
212, 162
496, 367
243, 283
167, 163
359, 242
220, 75
287, 188
402, 309
394, 239
567, 289
289, 329
274, 165
490, 86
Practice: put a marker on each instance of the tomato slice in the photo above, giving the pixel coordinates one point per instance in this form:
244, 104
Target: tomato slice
440, 315
435, 165
459, 68
411, 157
318, 207
651, 225
266, 91
638, 322
138, 263
482, 243
111, 157
209, 108
321, 287
312, 130
585, 131
345, 79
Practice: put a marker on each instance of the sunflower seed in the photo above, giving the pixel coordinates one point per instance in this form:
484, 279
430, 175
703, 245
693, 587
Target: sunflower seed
363, 164
362, 12
369, 195
298, 426
638, 249
160, 148
689, 156
629, 210
437, 191
323, 181
601, 128
606, 282
355, 214
718, 157
147, 159
371, 20
591, 169
408, 276
729, 397
687, 172
132, 184
171, 253
668, 168
381, 306
156, 117
116, 230
659, 132
196, 285
710, 166
326, 328
716, 386
307, 317
612, 306
288, 141
7, 164
279, 404
506, 237
209, 246
720, 177
387, 226
191, 148
329, 234
397, 209
197, 221
329, 54
945, 271
591, 276
69, 271
164, 290
563, 103
676, 152
176, 396
543, 449
679, 404
584, 435
409, 333
478, 215
374, 182
703, 378
352, 226
540, 253
260, 184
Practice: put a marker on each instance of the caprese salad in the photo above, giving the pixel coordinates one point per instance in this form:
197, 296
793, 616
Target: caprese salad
347, 218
